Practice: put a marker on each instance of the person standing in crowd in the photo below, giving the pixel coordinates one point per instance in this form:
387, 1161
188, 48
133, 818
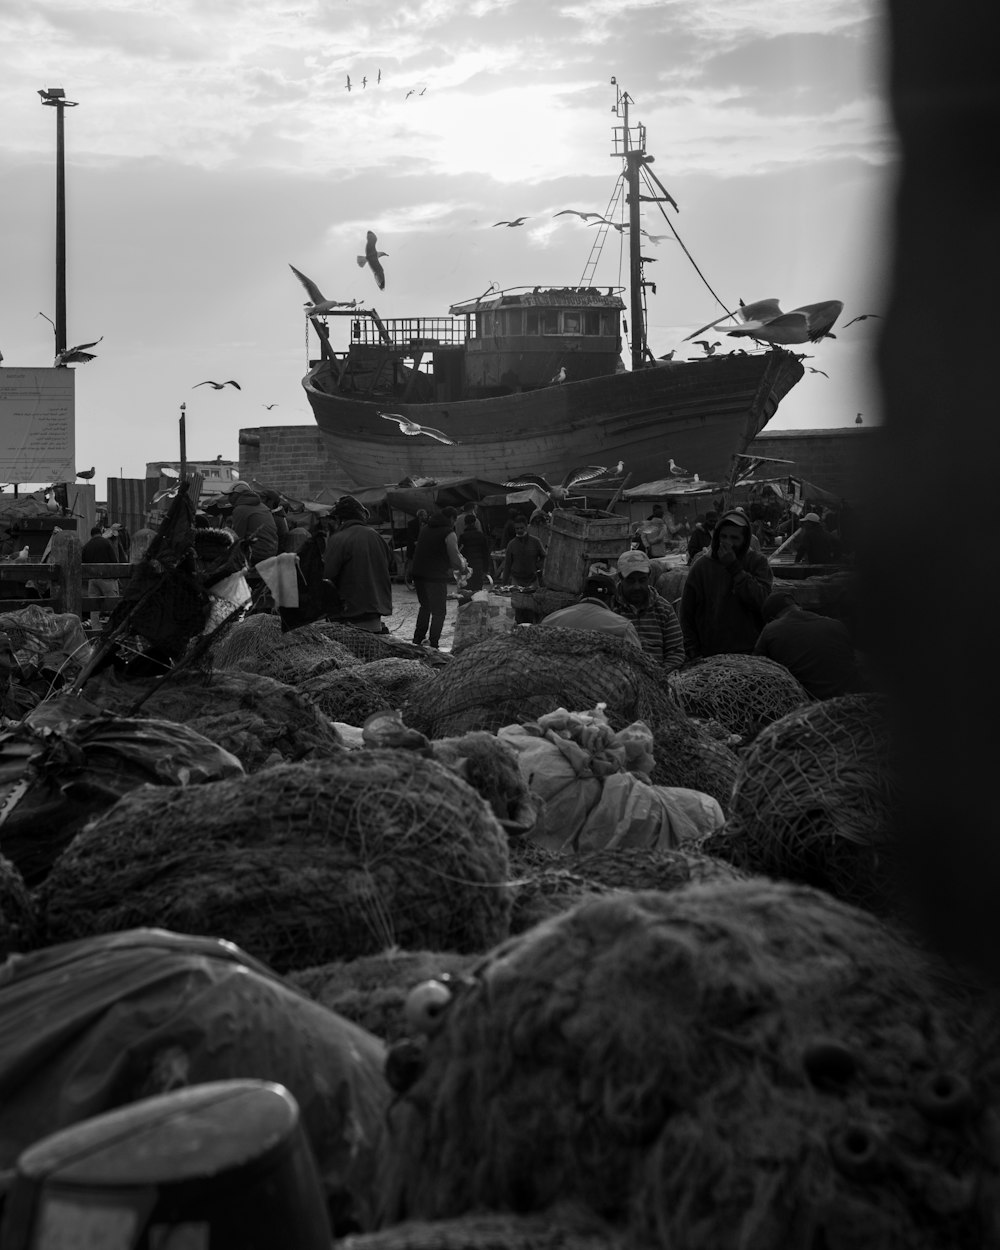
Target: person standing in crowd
469, 510
253, 524
701, 536
724, 593
413, 528
100, 550
356, 563
817, 650
813, 544
475, 547
655, 533
522, 567
436, 556
508, 529
655, 620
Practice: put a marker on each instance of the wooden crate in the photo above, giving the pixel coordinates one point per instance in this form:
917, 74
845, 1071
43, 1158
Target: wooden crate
578, 539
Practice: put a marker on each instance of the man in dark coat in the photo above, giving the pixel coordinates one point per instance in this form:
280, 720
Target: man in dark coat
252, 522
98, 549
436, 556
724, 593
815, 649
475, 547
357, 564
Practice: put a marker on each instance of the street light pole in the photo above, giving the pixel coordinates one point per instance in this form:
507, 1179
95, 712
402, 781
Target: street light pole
55, 97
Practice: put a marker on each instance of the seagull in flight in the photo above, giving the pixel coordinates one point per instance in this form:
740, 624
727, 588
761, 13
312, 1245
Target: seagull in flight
765, 321
862, 317
411, 427
812, 370
348, 82
518, 221
270, 406
709, 347
76, 355
557, 494
576, 213
371, 259
656, 238
217, 386
620, 226
319, 304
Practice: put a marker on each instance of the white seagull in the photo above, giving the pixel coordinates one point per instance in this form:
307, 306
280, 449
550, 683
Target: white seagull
371, 259
559, 378
765, 321
518, 221
217, 386
319, 304
585, 473
709, 347
76, 355
676, 470
576, 213
411, 427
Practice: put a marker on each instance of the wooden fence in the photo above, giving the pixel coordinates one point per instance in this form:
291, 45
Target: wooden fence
64, 576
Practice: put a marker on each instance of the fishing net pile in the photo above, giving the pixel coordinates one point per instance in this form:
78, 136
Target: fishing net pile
368, 646
491, 768
741, 692
742, 1064
493, 1230
517, 677
299, 864
257, 645
396, 675
260, 720
371, 991
347, 695
18, 915
814, 800
67, 763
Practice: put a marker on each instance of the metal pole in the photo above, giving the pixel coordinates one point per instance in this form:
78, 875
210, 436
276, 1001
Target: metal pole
60, 229
183, 432
55, 97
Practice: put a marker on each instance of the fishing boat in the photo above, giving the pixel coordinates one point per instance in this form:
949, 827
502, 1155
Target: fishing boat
533, 379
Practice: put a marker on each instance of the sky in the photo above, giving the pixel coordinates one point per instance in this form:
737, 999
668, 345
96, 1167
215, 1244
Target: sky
215, 143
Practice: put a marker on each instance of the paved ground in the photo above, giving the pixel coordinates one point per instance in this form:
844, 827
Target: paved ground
404, 615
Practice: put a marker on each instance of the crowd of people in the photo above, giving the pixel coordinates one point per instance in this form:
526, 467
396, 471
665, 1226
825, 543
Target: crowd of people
728, 604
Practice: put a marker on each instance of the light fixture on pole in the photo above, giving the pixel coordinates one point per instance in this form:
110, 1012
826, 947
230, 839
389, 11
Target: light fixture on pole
55, 97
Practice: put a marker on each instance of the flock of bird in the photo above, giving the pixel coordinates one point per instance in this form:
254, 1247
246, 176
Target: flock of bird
349, 85
600, 219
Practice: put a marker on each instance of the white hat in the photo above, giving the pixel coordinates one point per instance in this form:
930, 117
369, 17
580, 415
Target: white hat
811, 516
633, 562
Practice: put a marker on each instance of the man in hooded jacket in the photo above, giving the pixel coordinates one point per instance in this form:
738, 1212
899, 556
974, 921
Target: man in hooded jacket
356, 562
253, 524
724, 593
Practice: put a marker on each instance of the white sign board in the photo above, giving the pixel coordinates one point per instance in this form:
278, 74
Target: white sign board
37, 425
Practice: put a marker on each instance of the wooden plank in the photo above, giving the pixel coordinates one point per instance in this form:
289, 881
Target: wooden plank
66, 550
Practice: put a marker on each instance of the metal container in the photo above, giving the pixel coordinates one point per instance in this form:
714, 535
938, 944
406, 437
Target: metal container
221, 1166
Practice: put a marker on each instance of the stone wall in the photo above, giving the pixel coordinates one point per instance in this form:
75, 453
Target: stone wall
838, 460
295, 459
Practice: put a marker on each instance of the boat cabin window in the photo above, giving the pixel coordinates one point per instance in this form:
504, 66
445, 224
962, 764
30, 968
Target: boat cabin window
513, 321
531, 322
571, 323
551, 321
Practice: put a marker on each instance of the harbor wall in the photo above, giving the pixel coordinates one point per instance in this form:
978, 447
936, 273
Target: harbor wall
298, 460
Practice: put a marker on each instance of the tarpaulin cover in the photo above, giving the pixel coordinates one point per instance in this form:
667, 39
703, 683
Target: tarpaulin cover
92, 1025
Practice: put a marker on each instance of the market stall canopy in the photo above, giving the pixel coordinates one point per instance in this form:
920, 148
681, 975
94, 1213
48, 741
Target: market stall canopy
669, 486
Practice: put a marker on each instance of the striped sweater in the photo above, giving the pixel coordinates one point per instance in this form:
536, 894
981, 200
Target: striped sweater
658, 628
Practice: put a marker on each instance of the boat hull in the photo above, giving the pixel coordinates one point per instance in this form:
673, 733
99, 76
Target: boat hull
698, 413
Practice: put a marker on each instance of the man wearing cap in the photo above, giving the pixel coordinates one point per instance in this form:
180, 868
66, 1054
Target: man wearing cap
595, 610
724, 593
815, 649
357, 564
654, 618
813, 544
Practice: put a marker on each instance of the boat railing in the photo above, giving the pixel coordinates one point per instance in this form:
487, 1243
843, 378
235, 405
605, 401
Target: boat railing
413, 333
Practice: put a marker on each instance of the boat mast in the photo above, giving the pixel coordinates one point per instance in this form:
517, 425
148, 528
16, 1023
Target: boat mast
634, 159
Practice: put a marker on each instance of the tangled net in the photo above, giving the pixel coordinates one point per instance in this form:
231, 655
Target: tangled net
741, 692
396, 676
517, 677
257, 645
491, 768
368, 646
371, 990
299, 864
749, 1064
348, 695
813, 802
492, 1230
261, 721
18, 915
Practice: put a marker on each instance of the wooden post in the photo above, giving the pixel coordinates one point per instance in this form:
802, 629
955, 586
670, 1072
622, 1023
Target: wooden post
65, 556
